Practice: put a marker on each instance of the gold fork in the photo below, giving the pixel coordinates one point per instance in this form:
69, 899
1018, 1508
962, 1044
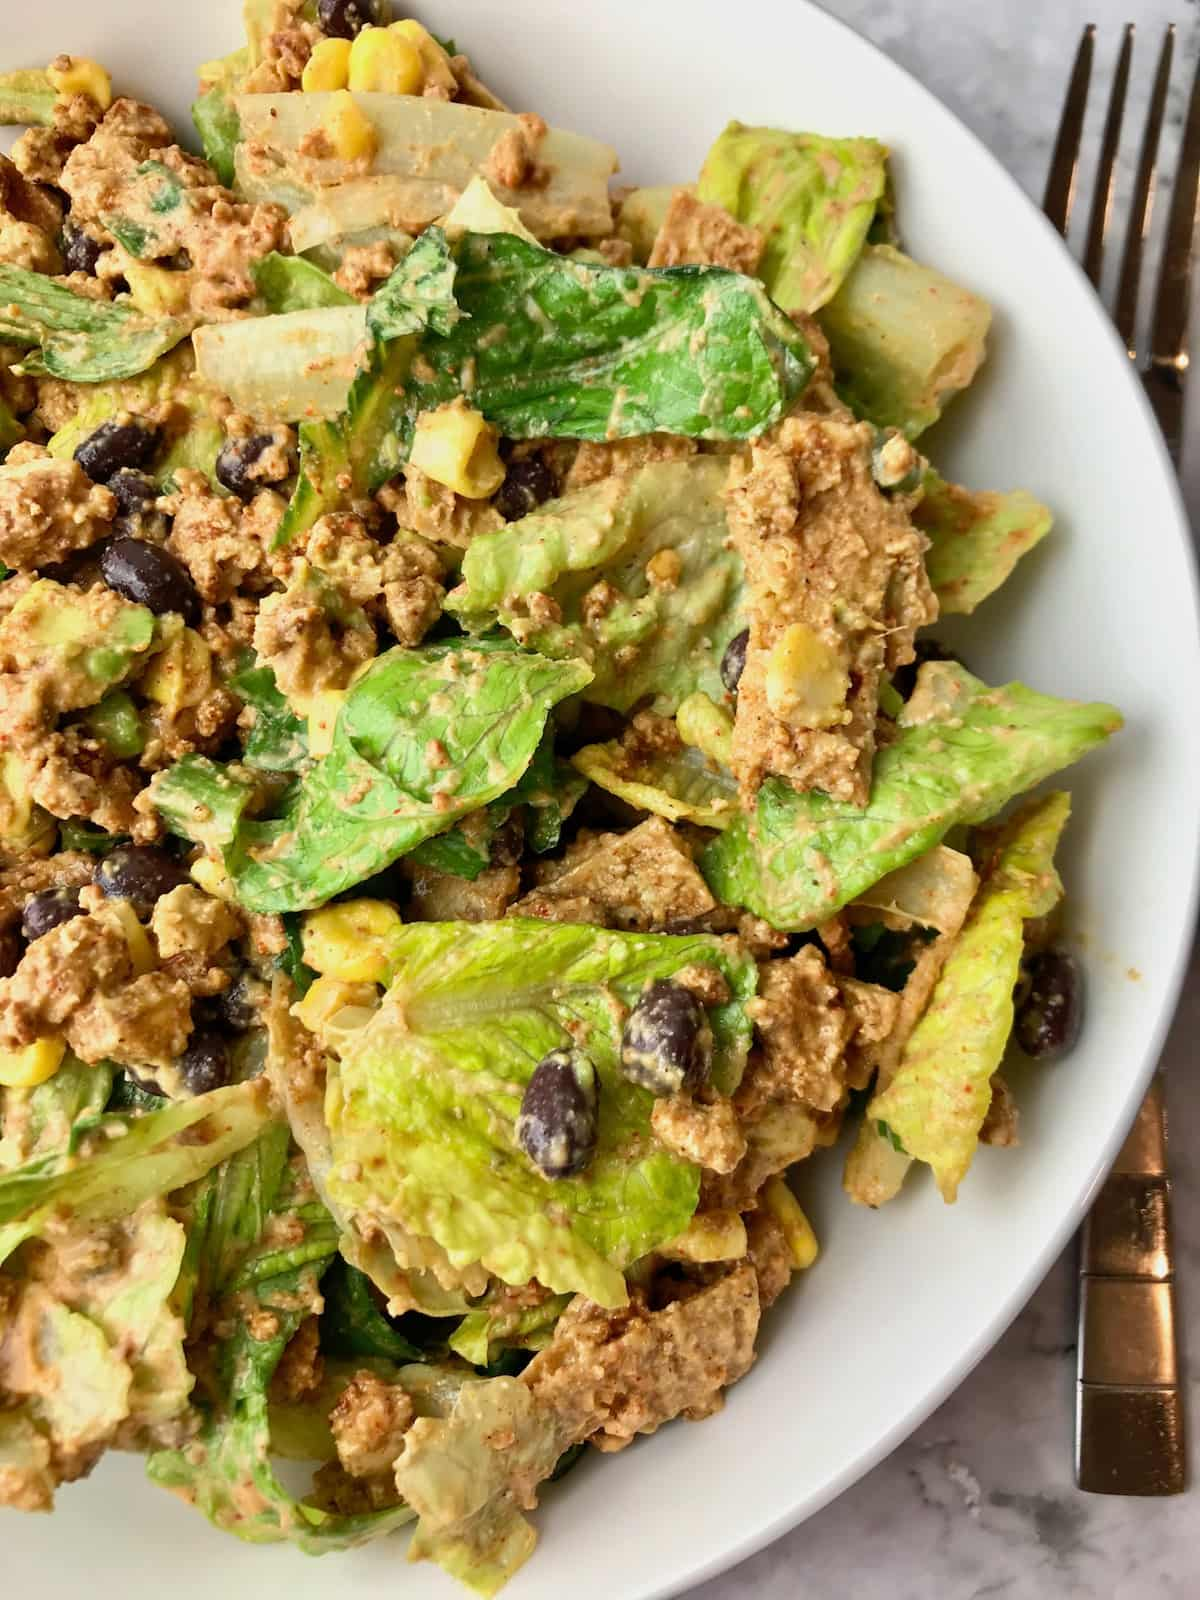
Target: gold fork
1129, 1424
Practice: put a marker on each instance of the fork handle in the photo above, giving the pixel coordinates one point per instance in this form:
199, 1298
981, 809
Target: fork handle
1129, 1436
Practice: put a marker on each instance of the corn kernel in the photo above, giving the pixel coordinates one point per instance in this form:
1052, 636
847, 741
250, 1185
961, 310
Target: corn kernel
435, 63
349, 941
73, 75
328, 67
807, 682
348, 128
332, 1009
209, 874
37, 1062
786, 1209
455, 446
384, 62
322, 720
712, 1236
157, 291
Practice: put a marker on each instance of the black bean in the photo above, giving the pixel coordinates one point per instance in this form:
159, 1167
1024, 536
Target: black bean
149, 575
204, 1065
344, 19
233, 1010
80, 252
557, 1125
141, 873
135, 492
1050, 1013
115, 445
11, 950
733, 662
49, 909
904, 679
528, 484
667, 1044
237, 459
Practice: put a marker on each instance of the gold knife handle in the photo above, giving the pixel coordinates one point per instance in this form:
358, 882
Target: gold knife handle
1129, 1407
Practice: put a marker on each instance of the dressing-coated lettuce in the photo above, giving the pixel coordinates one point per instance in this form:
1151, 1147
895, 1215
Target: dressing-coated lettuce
377, 794
75, 337
814, 199
976, 538
938, 1098
648, 637
904, 339
962, 751
682, 785
423, 1108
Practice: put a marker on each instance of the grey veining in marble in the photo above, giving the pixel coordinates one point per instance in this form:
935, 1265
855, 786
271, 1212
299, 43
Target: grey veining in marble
980, 1502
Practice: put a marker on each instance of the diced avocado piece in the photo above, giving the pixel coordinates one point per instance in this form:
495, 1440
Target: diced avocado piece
643, 213
95, 639
115, 722
23, 825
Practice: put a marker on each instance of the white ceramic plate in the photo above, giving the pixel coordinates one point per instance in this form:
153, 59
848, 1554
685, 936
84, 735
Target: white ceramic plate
904, 1302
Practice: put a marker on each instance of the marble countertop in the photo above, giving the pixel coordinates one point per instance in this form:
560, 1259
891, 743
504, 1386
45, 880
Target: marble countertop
980, 1501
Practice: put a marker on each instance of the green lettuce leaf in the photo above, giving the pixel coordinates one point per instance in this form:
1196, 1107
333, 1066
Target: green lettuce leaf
814, 199
154, 1155
653, 639
976, 539
961, 752
424, 1104
40, 1121
219, 127
77, 338
203, 801
278, 740
936, 1102
352, 1325
289, 283
682, 785
376, 794
482, 1336
261, 1289
463, 1488
904, 339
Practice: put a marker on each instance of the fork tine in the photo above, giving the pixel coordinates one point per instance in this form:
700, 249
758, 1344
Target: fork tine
1093, 259
1142, 203
1168, 335
1064, 164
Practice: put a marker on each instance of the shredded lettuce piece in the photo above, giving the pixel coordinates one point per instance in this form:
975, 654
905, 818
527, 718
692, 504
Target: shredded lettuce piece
935, 1104
814, 199
261, 1243
652, 638
156, 1153
682, 785
376, 796
976, 538
289, 283
483, 1336
423, 1106
961, 752
427, 152
79, 339
904, 339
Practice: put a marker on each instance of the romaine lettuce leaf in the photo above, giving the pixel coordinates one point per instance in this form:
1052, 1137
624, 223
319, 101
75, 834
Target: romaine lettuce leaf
77, 338
682, 785
289, 283
482, 1336
423, 1106
962, 750
262, 1242
278, 739
904, 339
648, 638
43, 1120
936, 1102
814, 199
465, 1490
377, 793
976, 538
215, 118
427, 151
154, 1155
